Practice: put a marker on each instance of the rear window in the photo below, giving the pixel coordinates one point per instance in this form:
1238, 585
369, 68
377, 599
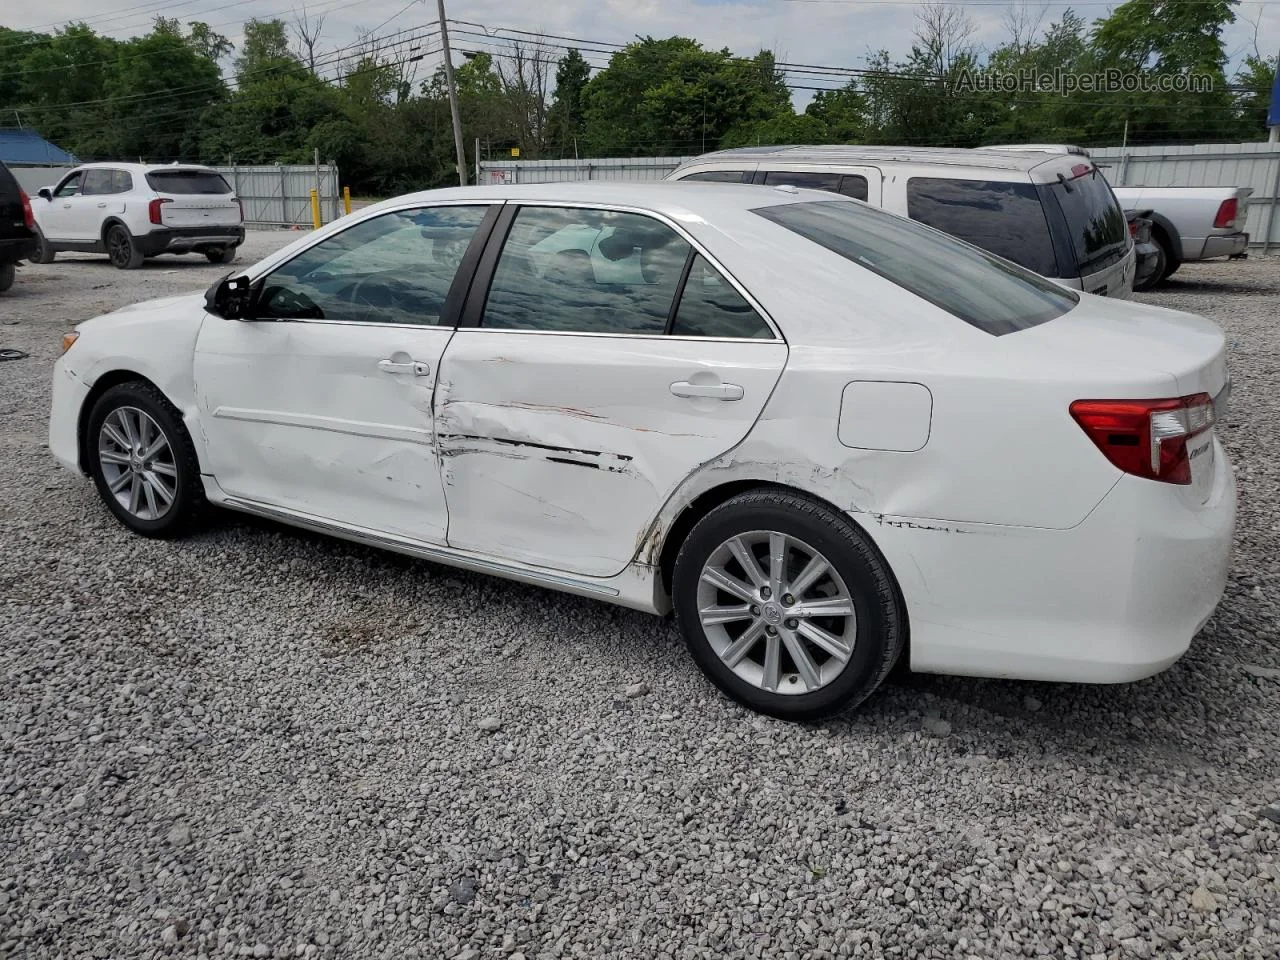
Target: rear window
1006, 218
187, 181
1086, 215
984, 291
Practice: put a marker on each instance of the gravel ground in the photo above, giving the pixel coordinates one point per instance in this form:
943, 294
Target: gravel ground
263, 743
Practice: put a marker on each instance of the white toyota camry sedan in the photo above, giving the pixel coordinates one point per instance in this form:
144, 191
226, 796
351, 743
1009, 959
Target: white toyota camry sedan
822, 435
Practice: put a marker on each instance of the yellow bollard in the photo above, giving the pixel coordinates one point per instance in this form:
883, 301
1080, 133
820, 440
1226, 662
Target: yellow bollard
315, 209
346, 199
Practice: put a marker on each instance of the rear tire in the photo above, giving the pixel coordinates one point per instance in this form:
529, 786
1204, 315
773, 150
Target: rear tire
7, 272
143, 462
1156, 275
1171, 263
221, 254
122, 249
781, 639
44, 253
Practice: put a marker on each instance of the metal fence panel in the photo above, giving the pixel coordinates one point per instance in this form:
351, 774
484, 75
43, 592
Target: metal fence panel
552, 171
272, 195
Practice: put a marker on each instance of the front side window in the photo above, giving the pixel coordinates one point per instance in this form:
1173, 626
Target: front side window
710, 306
585, 271
719, 176
991, 294
396, 268
1003, 217
70, 186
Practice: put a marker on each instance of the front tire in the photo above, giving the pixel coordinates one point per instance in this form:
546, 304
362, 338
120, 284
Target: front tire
143, 462
7, 272
787, 606
122, 249
221, 254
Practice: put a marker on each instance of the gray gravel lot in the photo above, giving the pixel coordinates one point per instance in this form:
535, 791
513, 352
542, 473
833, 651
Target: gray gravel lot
264, 743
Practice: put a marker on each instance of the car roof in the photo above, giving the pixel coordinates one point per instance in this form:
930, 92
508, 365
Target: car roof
143, 167
1023, 160
658, 196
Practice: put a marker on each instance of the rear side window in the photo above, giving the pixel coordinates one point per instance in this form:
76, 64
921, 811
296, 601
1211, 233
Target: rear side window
121, 181
187, 181
849, 184
984, 291
574, 270
719, 176
1006, 218
711, 307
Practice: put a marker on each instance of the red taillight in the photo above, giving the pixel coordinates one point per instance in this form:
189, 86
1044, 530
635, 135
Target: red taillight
1080, 169
153, 209
1133, 228
28, 215
1227, 213
1147, 438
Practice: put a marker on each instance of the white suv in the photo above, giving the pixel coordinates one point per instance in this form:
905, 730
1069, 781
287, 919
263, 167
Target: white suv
131, 211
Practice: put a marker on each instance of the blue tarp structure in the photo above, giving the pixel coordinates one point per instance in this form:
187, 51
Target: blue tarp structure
1273, 115
20, 145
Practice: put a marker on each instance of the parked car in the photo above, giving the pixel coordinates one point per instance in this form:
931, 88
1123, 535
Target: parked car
820, 433
1193, 223
131, 211
1188, 223
17, 239
1149, 255
1050, 213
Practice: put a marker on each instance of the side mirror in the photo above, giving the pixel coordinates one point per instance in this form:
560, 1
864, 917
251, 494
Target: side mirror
231, 297
46, 192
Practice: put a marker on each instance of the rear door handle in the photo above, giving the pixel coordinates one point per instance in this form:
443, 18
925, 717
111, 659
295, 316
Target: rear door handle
101, 205
415, 367
710, 391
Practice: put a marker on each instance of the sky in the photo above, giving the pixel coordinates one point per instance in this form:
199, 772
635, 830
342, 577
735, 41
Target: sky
824, 32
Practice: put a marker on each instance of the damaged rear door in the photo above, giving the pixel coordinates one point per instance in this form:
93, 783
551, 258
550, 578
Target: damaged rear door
600, 360
322, 402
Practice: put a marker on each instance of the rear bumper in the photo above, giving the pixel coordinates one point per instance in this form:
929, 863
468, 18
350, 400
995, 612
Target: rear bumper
13, 249
1225, 245
1116, 598
175, 239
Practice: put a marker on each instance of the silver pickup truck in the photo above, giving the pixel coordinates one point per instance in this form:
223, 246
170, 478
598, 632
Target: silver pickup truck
1191, 223
1187, 223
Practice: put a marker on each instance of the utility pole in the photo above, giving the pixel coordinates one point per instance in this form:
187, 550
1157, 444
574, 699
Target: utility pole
453, 96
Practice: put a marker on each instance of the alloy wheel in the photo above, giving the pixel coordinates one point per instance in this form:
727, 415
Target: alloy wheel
776, 612
137, 463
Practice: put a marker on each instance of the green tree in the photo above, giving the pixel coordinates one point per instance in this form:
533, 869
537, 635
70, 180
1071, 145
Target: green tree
842, 113
565, 120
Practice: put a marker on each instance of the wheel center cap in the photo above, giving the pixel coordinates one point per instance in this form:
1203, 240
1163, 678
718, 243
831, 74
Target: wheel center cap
772, 613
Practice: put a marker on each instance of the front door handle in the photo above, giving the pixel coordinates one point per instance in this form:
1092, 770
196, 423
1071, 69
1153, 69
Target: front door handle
415, 367
710, 391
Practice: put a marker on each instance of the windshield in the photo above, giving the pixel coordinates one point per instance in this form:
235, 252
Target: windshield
1088, 223
982, 290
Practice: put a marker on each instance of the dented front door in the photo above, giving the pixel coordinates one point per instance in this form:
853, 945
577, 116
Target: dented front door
328, 419
322, 403
558, 450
